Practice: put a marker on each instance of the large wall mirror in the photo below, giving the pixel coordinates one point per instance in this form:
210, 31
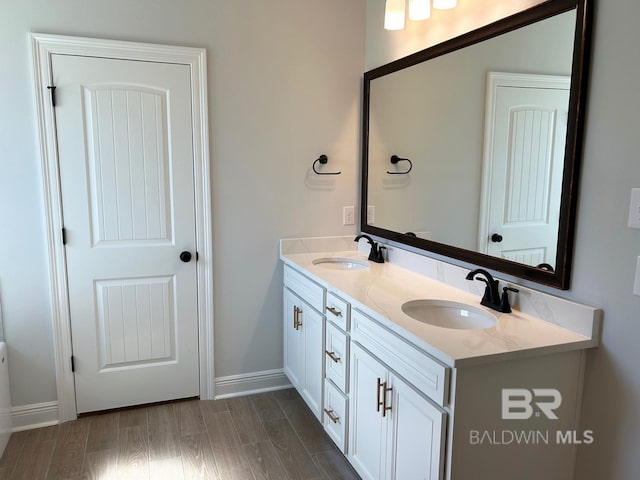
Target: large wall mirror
471, 148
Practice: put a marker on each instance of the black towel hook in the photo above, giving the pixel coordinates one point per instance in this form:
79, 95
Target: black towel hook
394, 160
323, 159
545, 266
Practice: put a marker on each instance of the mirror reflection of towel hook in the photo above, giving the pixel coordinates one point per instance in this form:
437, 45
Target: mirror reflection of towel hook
545, 266
323, 159
395, 159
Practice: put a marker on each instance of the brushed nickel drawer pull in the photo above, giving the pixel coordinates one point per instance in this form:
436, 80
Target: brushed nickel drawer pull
335, 311
330, 414
333, 356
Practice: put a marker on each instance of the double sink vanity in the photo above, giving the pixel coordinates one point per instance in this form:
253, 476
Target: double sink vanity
396, 352
407, 371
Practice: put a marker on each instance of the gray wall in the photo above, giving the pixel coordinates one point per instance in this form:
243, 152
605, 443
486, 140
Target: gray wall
606, 250
284, 87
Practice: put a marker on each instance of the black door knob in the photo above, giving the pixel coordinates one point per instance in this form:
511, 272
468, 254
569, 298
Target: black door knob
185, 256
496, 238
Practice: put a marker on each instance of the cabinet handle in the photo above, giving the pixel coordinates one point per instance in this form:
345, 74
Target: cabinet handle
333, 356
335, 311
296, 317
333, 417
386, 408
378, 401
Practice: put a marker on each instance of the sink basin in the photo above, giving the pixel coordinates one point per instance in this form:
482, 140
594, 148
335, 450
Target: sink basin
337, 263
446, 314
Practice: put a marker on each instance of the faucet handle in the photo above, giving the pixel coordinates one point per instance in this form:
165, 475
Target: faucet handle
504, 300
377, 253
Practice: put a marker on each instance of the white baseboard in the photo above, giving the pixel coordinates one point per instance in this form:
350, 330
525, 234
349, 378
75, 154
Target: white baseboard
36, 415
248, 383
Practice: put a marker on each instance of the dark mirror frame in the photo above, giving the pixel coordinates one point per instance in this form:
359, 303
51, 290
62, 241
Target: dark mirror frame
560, 278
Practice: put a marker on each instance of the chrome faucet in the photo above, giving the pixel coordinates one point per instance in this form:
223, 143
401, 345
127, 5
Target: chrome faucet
376, 254
492, 297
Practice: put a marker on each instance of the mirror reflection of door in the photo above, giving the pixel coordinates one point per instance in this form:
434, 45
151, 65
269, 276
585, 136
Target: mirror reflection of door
525, 134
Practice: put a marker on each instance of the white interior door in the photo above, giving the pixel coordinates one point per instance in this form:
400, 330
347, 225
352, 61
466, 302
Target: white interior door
124, 136
525, 136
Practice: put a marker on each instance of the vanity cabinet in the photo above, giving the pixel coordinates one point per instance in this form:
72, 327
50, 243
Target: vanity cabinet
397, 410
303, 337
396, 432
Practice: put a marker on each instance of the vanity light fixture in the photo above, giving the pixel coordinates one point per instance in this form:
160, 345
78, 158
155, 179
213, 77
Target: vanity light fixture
394, 14
394, 11
444, 4
419, 9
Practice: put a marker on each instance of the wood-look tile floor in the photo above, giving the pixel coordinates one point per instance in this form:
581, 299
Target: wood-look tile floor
265, 436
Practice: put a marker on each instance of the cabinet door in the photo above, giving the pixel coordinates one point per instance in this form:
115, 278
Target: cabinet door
416, 435
312, 324
293, 341
367, 427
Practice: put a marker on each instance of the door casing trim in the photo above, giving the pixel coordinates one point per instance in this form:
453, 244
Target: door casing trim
43, 46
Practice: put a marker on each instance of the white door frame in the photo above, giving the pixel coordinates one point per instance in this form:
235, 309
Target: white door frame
496, 80
42, 48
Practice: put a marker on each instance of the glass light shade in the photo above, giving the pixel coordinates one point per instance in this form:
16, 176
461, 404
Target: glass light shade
394, 15
444, 4
419, 9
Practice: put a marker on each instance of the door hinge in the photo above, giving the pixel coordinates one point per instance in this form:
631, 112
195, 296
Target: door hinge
73, 364
52, 89
64, 236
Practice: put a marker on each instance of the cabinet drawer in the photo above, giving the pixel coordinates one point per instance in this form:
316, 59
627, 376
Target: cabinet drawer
338, 311
417, 367
311, 292
336, 356
334, 415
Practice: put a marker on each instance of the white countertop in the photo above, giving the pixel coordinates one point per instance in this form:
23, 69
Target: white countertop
380, 290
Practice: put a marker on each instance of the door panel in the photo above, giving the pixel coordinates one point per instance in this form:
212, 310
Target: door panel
533, 120
126, 166
527, 132
136, 321
529, 162
126, 129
